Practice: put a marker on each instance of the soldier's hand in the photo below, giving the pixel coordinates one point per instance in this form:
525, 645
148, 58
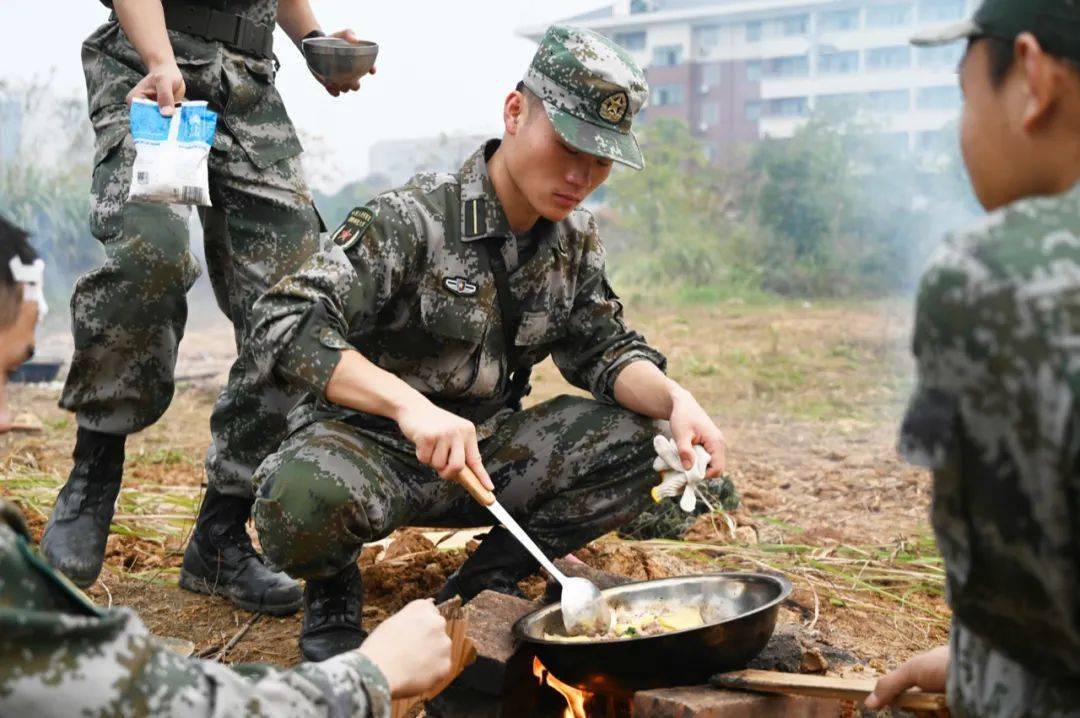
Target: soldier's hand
444, 441
928, 671
336, 89
690, 425
411, 649
163, 84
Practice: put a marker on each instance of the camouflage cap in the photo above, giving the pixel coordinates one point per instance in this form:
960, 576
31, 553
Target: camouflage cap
1056, 23
591, 90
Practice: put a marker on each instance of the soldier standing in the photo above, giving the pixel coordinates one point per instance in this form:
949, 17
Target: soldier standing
415, 335
996, 415
128, 315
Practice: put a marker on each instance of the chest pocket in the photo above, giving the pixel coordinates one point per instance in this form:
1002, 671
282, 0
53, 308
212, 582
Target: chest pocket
538, 328
466, 319
545, 315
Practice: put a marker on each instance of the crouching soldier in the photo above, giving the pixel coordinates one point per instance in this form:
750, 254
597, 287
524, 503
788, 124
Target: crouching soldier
415, 334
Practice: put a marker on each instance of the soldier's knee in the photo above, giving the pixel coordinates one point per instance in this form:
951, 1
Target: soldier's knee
303, 519
620, 434
625, 426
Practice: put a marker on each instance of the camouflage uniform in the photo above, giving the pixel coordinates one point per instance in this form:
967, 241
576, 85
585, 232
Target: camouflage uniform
406, 284
60, 655
995, 416
128, 315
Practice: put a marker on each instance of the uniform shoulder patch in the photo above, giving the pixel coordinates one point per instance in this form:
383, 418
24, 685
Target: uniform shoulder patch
353, 228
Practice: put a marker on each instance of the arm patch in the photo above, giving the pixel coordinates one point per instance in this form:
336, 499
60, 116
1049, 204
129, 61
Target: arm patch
353, 228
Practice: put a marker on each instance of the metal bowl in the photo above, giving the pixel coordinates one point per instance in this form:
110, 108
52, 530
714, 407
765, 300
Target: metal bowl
339, 61
739, 609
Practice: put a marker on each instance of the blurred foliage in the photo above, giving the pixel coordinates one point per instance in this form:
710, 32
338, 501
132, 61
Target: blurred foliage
836, 210
44, 187
334, 207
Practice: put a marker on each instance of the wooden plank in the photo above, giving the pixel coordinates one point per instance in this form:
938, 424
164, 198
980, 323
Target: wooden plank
851, 689
462, 654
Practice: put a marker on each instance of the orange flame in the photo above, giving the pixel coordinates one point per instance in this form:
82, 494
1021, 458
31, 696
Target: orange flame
575, 698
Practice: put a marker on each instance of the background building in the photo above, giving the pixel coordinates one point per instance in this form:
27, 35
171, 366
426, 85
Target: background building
739, 70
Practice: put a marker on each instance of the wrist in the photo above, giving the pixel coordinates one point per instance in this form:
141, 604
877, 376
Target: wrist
314, 33
162, 62
405, 402
676, 394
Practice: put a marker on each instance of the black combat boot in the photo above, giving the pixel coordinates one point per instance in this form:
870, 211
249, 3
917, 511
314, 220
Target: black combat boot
220, 560
333, 608
74, 540
498, 563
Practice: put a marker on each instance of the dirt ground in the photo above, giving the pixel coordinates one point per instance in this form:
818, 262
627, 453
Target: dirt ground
809, 397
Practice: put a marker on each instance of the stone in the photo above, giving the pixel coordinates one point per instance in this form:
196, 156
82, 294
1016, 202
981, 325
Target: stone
491, 615
408, 542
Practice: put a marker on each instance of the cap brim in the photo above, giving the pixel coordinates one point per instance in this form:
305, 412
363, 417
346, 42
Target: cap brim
947, 34
596, 140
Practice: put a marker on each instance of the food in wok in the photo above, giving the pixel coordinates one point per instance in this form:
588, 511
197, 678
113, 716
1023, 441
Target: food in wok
649, 619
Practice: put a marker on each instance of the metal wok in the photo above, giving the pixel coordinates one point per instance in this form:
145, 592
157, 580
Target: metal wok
740, 614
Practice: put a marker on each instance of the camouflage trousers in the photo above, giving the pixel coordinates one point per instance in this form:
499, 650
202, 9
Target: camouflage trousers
985, 683
569, 470
128, 316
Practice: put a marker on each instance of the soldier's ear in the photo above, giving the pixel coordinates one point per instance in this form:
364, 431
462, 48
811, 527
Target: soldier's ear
514, 112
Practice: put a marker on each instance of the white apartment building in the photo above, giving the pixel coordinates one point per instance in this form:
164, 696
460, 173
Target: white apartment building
740, 70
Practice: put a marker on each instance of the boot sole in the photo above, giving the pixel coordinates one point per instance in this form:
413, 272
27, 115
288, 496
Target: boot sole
195, 584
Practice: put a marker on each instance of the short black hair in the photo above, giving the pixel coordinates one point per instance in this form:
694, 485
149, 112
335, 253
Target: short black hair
531, 98
14, 242
1002, 54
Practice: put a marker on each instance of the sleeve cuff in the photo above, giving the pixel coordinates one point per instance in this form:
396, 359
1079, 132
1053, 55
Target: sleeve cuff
310, 358
604, 389
353, 673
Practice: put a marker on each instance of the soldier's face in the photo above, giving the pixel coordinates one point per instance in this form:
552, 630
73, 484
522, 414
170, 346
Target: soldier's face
1014, 134
16, 346
984, 135
553, 176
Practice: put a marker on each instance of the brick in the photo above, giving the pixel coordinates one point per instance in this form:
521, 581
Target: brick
491, 615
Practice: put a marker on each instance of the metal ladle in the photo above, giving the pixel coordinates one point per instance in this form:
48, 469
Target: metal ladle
584, 608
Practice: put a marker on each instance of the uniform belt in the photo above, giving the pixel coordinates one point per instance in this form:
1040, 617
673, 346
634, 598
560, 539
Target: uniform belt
235, 31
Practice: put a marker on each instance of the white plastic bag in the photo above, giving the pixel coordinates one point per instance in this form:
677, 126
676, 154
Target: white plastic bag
171, 153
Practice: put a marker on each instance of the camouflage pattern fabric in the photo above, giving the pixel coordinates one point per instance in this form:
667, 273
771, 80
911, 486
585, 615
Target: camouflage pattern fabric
665, 520
407, 286
984, 682
995, 416
591, 90
60, 655
570, 470
129, 315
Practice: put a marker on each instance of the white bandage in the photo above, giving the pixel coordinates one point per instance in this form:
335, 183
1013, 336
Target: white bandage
674, 478
32, 277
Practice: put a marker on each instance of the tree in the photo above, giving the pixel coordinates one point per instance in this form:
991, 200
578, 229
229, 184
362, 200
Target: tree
674, 221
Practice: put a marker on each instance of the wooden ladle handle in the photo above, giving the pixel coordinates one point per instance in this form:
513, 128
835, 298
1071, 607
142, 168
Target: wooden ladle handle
477, 490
